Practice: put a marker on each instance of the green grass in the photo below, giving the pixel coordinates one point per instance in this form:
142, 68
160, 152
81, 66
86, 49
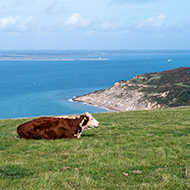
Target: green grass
156, 142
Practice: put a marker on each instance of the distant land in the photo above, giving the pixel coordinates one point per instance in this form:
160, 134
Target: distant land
49, 59
146, 91
51, 55
73, 55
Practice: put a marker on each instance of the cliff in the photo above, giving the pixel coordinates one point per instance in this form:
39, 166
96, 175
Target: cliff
147, 91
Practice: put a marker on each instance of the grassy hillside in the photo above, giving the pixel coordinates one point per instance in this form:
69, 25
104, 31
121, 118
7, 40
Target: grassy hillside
175, 84
130, 150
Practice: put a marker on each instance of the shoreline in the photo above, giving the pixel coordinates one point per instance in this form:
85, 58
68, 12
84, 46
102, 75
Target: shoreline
98, 105
102, 106
117, 110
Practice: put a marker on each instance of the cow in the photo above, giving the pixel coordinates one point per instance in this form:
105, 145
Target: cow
57, 127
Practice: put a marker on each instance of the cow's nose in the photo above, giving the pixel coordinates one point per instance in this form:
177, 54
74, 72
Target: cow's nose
98, 124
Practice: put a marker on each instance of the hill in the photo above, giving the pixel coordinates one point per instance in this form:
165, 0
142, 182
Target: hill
146, 149
147, 91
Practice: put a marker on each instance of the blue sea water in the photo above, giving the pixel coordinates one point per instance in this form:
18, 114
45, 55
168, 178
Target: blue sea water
36, 83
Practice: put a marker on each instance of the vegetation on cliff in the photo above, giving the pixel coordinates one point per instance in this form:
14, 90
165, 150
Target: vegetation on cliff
147, 91
171, 88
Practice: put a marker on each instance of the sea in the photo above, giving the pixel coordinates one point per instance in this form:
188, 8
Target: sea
43, 83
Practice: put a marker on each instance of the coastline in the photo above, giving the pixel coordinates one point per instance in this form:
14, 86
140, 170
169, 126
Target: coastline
97, 105
102, 106
117, 110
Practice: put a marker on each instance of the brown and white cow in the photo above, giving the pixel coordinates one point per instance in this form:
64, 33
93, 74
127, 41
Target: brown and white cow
57, 127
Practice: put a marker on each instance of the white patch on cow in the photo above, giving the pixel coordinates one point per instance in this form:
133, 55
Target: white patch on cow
68, 116
78, 134
92, 122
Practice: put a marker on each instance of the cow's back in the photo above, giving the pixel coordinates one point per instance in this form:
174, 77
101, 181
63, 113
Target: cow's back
41, 128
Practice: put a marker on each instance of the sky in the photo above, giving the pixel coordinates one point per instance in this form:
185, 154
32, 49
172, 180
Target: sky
94, 24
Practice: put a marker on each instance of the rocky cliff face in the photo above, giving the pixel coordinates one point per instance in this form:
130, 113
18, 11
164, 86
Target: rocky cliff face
146, 91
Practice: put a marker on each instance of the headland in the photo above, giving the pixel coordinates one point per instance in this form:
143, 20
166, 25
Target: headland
147, 91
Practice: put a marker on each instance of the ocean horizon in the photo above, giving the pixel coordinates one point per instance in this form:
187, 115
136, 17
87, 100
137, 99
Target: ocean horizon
43, 83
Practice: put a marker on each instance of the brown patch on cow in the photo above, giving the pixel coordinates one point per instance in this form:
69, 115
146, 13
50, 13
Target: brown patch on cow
50, 128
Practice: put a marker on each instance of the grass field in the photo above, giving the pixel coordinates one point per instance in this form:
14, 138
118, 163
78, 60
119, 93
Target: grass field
130, 150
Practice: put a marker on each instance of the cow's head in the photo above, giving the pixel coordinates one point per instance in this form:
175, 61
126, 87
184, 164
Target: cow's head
89, 122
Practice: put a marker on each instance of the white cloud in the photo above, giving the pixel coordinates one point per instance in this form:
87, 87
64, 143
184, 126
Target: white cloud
76, 23
76, 19
108, 25
15, 24
9, 22
156, 21
153, 22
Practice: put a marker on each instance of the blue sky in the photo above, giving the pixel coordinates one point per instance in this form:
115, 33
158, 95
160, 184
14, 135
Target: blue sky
99, 24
